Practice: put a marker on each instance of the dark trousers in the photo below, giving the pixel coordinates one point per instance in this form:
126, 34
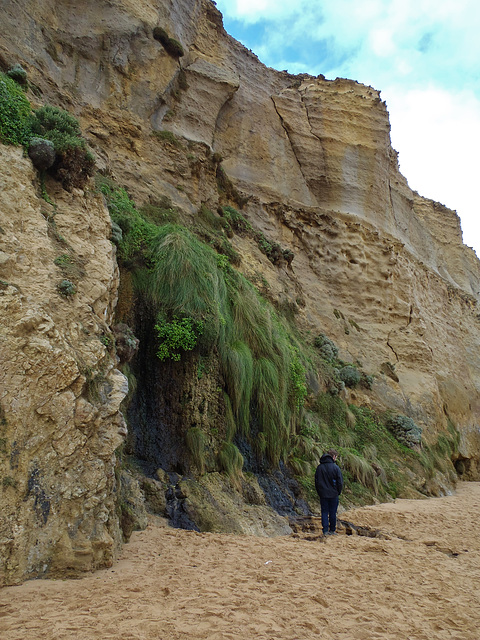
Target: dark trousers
328, 507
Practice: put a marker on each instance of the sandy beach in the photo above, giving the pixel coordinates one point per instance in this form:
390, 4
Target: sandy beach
418, 581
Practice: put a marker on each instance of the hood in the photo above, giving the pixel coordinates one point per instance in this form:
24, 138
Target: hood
326, 458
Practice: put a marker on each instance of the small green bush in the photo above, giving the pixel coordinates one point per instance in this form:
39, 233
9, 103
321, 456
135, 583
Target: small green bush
57, 125
74, 163
14, 113
405, 430
64, 261
131, 232
235, 220
326, 347
350, 376
66, 288
161, 35
176, 336
17, 73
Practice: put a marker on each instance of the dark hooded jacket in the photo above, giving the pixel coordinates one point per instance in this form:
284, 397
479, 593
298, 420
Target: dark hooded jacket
328, 478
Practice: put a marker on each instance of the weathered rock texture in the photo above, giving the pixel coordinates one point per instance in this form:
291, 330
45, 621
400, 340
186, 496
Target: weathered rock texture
378, 268
59, 389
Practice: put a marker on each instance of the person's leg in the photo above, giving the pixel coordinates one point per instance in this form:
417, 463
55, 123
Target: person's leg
332, 514
324, 508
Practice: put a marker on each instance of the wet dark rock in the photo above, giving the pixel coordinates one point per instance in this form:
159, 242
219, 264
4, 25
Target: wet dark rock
125, 342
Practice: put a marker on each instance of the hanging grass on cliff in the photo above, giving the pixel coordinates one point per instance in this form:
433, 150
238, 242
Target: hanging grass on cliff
188, 281
201, 303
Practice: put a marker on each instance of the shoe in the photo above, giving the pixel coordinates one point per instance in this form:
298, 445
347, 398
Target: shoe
332, 533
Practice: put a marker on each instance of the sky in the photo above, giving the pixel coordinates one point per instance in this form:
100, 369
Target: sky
424, 57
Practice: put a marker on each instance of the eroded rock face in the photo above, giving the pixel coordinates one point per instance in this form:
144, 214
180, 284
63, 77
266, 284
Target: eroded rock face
59, 389
379, 269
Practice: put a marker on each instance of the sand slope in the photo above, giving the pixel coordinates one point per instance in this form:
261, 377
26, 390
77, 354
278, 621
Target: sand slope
420, 583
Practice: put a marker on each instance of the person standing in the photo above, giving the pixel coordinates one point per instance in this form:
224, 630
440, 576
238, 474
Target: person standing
329, 485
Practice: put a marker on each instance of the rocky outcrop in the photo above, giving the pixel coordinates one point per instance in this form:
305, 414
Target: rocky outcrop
378, 268
59, 389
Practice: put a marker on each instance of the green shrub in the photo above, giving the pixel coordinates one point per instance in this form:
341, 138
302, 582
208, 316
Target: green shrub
176, 336
405, 430
326, 347
349, 375
174, 48
14, 113
18, 73
235, 220
63, 261
74, 163
167, 136
57, 125
66, 288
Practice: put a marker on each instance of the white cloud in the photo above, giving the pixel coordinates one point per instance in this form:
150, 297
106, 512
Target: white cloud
251, 11
437, 134
418, 38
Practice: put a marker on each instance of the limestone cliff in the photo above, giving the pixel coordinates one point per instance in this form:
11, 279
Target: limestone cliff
378, 268
59, 389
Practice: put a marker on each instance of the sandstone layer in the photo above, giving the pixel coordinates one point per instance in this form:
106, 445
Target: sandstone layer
59, 389
378, 268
